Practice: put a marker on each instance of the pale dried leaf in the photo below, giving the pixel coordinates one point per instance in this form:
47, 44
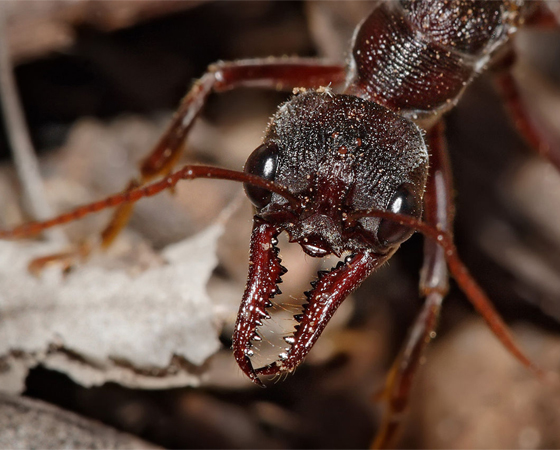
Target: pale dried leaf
99, 324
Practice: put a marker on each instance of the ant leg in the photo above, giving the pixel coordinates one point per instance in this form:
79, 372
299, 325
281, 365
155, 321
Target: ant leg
433, 286
189, 172
528, 125
269, 73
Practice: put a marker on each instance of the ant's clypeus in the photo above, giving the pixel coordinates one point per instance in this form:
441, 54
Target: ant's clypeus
352, 165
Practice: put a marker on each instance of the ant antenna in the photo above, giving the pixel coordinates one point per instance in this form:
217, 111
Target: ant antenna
464, 279
133, 195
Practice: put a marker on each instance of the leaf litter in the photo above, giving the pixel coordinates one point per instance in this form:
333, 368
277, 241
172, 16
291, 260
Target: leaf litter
136, 316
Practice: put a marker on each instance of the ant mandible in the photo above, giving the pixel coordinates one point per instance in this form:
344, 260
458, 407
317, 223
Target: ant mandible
351, 172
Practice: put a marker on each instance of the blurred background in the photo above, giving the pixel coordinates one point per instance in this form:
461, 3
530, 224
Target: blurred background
99, 81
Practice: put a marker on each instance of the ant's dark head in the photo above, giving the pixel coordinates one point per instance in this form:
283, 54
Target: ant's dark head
339, 157
339, 154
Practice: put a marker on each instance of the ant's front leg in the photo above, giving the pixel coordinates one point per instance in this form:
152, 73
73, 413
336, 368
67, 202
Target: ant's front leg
270, 73
433, 286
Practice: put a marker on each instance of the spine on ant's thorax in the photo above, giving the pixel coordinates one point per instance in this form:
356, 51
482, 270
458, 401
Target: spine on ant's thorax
417, 56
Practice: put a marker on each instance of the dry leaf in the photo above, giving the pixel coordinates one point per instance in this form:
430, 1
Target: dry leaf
99, 324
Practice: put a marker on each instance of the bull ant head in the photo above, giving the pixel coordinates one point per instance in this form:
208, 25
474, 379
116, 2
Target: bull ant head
337, 154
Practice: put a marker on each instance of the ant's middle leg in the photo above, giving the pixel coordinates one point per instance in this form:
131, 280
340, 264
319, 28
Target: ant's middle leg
433, 286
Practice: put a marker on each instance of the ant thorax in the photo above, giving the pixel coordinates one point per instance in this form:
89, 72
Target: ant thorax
417, 58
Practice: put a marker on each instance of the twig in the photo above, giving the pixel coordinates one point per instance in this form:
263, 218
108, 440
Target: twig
34, 200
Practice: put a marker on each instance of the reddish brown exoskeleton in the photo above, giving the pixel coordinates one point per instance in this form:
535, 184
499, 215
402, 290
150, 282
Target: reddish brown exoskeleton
350, 171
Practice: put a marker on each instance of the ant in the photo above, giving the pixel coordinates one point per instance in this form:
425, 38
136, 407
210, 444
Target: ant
352, 165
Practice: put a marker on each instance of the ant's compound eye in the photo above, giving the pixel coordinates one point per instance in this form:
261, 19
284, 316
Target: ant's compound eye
263, 162
403, 202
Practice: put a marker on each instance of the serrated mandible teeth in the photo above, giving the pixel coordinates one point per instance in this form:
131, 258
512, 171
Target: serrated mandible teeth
290, 340
262, 313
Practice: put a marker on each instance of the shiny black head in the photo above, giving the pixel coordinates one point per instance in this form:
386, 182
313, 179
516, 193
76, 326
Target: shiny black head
340, 154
